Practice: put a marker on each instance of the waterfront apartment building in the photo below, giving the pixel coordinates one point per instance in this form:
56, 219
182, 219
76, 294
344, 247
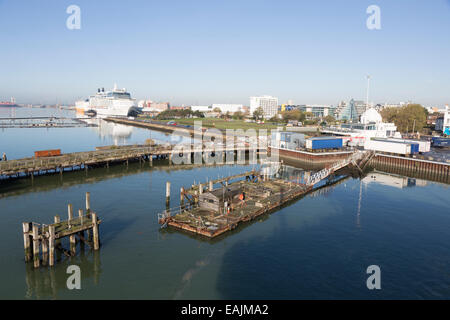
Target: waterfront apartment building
268, 104
443, 122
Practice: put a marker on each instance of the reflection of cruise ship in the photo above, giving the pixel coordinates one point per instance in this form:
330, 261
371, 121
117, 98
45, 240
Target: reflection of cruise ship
119, 134
117, 102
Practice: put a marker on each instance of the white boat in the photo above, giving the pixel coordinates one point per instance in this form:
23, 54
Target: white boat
117, 102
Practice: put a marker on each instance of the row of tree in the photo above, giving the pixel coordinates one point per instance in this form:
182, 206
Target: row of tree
304, 117
409, 118
179, 113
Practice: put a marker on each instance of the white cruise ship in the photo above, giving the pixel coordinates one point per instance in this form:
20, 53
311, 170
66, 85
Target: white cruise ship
117, 102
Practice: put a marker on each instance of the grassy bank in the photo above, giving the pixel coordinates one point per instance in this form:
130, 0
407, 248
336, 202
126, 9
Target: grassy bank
224, 124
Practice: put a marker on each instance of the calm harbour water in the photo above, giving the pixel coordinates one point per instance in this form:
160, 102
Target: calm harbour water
316, 247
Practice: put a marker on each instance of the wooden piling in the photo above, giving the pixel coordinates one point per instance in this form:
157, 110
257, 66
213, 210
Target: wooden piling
26, 226
195, 196
44, 245
80, 215
200, 188
51, 245
181, 196
57, 219
72, 239
95, 231
70, 213
36, 257
88, 202
168, 194
211, 185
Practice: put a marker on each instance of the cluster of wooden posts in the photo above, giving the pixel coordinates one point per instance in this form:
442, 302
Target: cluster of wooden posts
48, 237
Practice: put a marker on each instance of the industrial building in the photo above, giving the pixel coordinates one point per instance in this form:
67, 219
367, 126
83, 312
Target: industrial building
371, 125
202, 108
318, 111
268, 104
288, 140
224, 108
150, 106
231, 108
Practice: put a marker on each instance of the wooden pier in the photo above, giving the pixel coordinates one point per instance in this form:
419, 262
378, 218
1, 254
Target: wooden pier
104, 157
44, 238
44, 122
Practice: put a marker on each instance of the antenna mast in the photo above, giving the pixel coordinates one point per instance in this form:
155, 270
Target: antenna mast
367, 92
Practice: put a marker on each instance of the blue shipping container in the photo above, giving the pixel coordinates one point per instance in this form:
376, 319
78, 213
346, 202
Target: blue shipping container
440, 142
324, 143
414, 148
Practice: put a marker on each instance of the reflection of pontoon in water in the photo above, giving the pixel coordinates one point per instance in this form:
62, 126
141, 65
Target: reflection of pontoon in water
117, 102
392, 180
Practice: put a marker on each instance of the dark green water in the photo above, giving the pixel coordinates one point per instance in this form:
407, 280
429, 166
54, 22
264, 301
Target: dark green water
317, 247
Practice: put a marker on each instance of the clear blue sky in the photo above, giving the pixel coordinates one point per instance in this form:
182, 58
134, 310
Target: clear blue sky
203, 52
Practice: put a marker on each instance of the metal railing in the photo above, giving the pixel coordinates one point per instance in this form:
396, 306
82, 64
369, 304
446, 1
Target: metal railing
322, 174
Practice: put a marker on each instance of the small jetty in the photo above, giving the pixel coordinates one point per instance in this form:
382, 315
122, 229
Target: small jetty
47, 238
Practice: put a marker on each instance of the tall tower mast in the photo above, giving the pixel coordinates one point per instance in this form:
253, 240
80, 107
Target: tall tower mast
367, 92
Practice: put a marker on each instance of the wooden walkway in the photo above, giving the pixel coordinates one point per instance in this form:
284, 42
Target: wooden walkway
101, 157
44, 122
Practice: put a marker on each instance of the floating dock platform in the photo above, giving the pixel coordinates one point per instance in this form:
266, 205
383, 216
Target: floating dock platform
213, 212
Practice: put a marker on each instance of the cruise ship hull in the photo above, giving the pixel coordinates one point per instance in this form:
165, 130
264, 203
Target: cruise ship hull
112, 103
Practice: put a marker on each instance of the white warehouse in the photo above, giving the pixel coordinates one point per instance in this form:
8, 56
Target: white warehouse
224, 108
202, 108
